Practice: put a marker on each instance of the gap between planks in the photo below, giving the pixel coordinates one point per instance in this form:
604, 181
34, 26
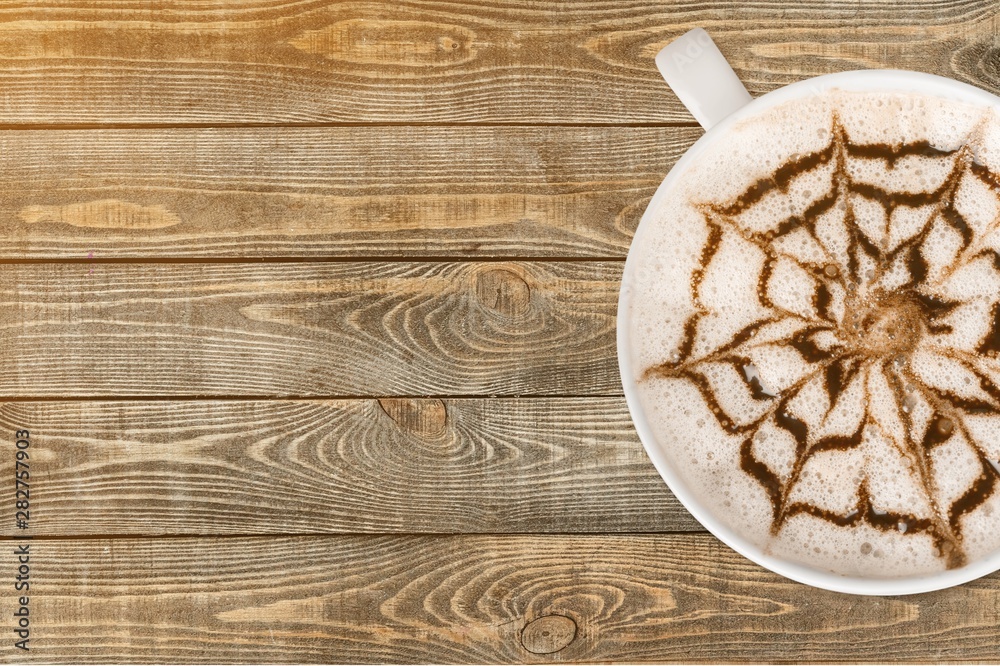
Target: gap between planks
303, 398
342, 535
12, 127
396, 259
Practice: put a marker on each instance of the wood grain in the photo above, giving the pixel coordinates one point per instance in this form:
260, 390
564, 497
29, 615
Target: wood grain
309, 329
190, 61
400, 436
468, 599
360, 466
344, 192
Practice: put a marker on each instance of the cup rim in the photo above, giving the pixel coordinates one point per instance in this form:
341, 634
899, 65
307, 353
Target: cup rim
891, 80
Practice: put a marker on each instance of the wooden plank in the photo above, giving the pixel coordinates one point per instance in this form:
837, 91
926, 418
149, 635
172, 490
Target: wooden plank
67, 61
358, 466
467, 599
354, 192
308, 329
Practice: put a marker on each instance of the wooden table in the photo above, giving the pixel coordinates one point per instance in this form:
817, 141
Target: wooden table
309, 308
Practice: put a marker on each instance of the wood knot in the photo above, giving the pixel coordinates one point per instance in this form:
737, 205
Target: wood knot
426, 418
548, 634
503, 291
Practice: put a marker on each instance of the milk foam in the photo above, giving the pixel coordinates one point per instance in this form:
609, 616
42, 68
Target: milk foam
910, 371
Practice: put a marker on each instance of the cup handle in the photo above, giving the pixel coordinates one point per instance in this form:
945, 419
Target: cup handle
702, 79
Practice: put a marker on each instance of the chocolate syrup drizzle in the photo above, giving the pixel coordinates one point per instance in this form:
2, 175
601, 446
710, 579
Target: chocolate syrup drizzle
916, 315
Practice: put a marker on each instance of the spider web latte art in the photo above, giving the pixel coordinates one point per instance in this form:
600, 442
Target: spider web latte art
877, 297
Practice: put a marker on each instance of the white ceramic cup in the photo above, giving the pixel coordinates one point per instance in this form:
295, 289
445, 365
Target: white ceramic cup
708, 87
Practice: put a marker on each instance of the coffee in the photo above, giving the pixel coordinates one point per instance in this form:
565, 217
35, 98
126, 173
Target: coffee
815, 325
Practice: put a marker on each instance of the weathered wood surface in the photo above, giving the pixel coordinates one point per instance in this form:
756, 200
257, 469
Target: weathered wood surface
471, 599
301, 450
360, 466
65, 61
309, 329
345, 192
